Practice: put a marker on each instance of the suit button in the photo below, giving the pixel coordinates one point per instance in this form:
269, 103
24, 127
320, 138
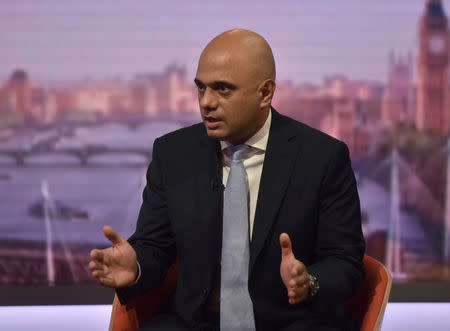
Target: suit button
204, 293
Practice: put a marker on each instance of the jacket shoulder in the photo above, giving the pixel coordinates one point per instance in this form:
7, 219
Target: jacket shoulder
314, 137
184, 136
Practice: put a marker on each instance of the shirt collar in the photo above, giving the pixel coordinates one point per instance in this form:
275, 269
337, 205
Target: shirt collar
259, 139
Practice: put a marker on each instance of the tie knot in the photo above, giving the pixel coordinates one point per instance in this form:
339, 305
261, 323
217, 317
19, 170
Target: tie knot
238, 151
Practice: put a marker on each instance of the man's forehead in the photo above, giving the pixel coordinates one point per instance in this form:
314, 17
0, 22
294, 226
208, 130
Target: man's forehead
218, 59
221, 67
213, 74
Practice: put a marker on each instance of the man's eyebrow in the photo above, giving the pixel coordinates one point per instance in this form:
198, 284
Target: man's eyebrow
223, 83
216, 83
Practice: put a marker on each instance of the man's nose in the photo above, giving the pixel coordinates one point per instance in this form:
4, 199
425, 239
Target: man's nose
208, 100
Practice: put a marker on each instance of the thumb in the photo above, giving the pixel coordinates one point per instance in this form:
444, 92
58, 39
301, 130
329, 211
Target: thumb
111, 235
286, 246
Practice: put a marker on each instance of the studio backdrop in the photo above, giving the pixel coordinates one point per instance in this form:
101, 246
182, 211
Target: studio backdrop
86, 87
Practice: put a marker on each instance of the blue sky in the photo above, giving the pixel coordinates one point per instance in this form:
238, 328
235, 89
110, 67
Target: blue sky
54, 39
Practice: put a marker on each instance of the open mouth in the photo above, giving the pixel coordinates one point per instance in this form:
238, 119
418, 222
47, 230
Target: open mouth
212, 123
211, 119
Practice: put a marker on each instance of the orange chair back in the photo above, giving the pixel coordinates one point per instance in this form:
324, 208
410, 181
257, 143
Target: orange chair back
132, 316
368, 304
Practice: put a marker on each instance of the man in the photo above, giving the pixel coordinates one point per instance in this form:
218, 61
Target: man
304, 221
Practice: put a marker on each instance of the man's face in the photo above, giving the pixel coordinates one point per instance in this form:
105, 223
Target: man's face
229, 98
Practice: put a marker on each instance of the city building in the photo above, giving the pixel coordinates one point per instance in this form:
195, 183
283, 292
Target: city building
432, 113
398, 99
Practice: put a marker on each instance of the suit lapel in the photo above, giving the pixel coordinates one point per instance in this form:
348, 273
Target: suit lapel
281, 153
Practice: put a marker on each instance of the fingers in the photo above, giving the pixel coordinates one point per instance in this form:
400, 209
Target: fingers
294, 301
298, 281
96, 266
101, 259
111, 235
97, 255
298, 292
286, 245
100, 273
298, 284
298, 269
297, 287
98, 269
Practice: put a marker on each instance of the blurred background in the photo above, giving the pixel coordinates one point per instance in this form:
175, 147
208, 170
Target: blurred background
85, 88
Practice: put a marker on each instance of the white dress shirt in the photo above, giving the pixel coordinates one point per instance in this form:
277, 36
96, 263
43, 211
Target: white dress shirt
253, 164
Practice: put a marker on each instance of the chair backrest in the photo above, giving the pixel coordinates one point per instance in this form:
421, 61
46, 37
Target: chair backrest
130, 317
368, 304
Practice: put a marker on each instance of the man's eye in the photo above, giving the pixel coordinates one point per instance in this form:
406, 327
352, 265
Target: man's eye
201, 87
223, 88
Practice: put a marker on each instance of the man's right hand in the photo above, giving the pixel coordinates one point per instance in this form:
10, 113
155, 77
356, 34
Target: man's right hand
114, 266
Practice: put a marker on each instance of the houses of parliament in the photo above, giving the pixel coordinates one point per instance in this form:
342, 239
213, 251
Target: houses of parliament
427, 106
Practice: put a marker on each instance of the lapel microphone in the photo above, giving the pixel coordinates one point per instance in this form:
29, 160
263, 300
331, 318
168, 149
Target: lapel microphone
216, 185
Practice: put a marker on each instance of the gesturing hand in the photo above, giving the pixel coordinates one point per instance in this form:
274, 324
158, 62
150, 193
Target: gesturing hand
293, 272
114, 266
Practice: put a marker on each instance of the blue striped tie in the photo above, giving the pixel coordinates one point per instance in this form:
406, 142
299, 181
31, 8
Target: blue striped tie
236, 307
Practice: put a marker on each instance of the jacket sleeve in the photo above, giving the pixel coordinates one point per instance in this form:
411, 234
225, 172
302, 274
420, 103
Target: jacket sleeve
340, 243
153, 240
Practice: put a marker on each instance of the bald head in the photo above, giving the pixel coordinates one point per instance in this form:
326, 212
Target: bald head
245, 49
236, 82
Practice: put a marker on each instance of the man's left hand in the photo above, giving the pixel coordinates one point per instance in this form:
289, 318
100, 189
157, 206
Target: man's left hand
293, 272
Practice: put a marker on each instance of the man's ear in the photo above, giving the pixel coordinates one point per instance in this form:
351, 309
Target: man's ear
266, 90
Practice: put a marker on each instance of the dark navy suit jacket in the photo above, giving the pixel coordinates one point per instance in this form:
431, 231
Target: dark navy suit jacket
307, 189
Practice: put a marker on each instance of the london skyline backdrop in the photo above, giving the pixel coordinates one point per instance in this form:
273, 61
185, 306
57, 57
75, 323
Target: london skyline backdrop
69, 138
73, 40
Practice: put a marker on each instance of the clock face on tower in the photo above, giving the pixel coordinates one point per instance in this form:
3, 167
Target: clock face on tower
436, 44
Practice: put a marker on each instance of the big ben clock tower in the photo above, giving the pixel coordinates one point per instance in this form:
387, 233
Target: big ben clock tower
433, 70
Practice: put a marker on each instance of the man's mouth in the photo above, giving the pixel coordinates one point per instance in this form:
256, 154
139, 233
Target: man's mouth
211, 119
212, 123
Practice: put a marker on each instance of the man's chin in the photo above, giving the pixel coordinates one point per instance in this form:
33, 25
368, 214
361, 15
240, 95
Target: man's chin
216, 134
